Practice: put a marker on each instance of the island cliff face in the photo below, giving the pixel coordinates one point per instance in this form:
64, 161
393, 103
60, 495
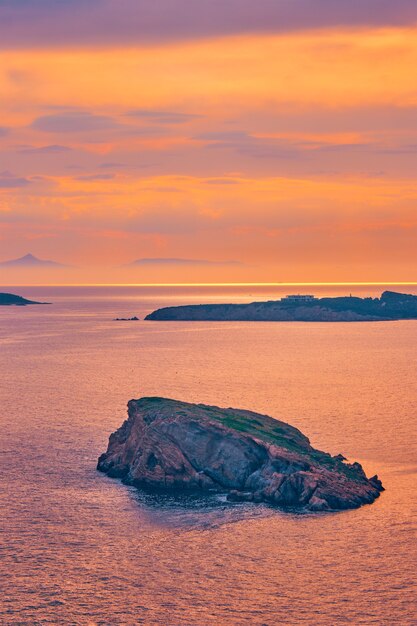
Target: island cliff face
390, 306
167, 444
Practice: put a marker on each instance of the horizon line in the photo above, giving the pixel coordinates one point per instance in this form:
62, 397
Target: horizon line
231, 284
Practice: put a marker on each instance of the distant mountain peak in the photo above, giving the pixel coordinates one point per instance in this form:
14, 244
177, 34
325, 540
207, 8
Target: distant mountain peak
30, 260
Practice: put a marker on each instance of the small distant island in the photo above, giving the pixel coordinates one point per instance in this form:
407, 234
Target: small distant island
299, 308
171, 445
10, 299
126, 319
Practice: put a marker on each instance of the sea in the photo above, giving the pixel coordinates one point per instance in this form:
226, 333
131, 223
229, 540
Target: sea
79, 548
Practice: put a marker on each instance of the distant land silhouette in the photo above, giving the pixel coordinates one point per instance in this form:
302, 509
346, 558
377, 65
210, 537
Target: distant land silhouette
175, 261
10, 299
299, 308
29, 261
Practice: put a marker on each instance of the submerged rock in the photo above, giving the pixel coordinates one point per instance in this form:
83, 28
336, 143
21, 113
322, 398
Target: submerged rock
167, 444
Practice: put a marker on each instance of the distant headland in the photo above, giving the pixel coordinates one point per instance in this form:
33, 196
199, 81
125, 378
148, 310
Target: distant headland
10, 299
299, 308
171, 445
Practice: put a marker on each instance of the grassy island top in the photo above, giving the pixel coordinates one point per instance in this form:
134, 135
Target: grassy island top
249, 423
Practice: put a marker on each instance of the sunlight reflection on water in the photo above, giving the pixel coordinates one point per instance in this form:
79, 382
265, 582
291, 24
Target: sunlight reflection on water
80, 548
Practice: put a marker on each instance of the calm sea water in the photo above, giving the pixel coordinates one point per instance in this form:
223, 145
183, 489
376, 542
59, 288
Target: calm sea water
80, 548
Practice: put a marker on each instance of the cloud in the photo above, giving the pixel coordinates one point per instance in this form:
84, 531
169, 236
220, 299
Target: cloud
170, 221
147, 131
167, 189
406, 149
52, 149
224, 136
275, 148
29, 23
3, 131
255, 147
322, 119
9, 181
163, 117
93, 177
111, 164
222, 181
74, 122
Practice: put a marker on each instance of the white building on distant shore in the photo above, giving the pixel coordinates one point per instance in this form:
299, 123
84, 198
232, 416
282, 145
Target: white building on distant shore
299, 298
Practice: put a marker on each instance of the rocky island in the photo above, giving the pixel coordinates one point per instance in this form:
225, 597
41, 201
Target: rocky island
299, 308
126, 319
171, 445
9, 299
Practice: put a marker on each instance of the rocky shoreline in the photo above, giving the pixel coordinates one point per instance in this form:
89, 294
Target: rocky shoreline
171, 445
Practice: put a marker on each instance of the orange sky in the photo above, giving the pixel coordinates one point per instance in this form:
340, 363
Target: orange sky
274, 156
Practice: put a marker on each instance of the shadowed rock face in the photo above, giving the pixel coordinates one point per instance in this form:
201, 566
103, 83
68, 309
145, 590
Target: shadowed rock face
166, 444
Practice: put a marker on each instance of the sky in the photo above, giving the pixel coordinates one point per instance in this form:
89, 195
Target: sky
230, 140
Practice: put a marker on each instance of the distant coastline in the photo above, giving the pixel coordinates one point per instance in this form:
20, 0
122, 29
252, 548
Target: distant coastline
300, 308
10, 299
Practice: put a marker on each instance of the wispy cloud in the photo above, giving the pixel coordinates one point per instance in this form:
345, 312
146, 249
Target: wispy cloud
32, 22
163, 117
234, 136
94, 177
51, 149
74, 122
10, 181
138, 128
111, 165
222, 181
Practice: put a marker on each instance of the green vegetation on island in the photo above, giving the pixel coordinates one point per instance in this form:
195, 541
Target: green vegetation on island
171, 445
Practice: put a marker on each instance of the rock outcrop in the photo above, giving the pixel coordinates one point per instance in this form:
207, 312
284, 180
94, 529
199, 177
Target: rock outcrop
126, 319
167, 444
390, 306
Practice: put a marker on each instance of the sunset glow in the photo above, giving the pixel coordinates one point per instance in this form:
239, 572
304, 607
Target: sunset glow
289, 153
208, 305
